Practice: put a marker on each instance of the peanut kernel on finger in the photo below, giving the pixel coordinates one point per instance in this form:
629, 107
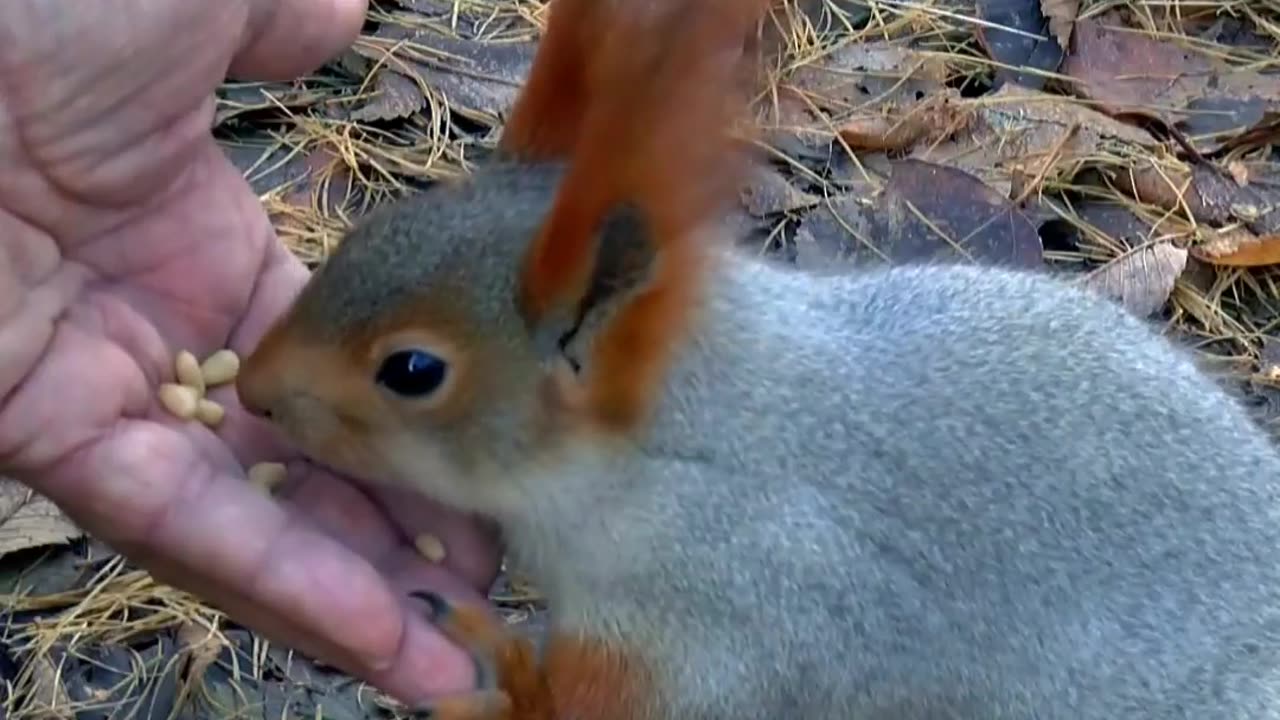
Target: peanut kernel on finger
220, 367
179, 400
268, 475
430, 547
187, 370
209, 412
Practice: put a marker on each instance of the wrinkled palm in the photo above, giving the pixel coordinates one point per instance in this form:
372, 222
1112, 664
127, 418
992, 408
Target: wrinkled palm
125, 235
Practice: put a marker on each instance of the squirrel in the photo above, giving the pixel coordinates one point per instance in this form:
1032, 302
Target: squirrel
908, 492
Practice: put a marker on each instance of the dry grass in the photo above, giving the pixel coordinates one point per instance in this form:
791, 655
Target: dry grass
320, 157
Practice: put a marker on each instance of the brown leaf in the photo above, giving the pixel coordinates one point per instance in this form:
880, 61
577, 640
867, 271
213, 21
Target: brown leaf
29, 520
1143, 279
1239, 172
936, 117
854, 82
768, 192
394, 96
46, 696
1238, 247
1062, 16
837, 233
924, 211
353, 63
1018, 135
1011, 38
200, 646
477, 79
1266, 132
1174, 83
1213, 197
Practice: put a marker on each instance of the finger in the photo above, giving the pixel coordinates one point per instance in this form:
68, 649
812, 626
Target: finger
279, 281
286, 38
416, 674
231, 534
472, 547
341, 510
406, 572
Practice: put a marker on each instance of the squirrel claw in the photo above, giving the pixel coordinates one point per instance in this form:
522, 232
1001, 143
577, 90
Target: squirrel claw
435, 602
510, 681
468, 628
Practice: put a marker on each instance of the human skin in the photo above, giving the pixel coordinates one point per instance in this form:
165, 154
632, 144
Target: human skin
125, 236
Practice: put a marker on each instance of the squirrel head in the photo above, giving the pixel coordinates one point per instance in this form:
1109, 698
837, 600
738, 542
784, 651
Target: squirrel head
404, 356
426, 349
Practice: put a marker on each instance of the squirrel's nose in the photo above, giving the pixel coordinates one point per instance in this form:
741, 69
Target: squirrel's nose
253, 402
256, 410
254, 387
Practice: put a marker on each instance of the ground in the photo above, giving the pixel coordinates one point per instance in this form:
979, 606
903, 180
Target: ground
1129, 144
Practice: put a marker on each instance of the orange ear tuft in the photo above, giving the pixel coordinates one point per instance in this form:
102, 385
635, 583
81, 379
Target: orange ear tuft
652, 98
545, 120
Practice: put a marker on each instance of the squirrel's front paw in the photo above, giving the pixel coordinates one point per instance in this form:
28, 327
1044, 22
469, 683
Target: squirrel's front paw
511, 685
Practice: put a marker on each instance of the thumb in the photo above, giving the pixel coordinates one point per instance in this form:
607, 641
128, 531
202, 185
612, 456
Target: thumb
287, 38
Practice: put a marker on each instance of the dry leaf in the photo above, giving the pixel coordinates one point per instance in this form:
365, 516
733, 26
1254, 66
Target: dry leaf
478, 79
1143, 279
200, 646
353, 63
1214, 198
1238, 247
837, 233
924, 211
1165, 79
1011, 38
394, 96
46, 697
29, 520
1239, 172
1062, 16
935, 118
768, 192
1018, 135
857, 80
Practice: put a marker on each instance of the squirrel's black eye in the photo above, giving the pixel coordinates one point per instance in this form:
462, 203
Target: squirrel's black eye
412, 372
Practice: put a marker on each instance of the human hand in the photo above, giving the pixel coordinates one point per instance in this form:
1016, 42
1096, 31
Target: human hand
125, 236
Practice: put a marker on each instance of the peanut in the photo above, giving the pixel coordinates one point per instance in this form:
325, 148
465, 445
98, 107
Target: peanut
209, 412
268, 475
179, 400
220, 367
187, 370
430, 547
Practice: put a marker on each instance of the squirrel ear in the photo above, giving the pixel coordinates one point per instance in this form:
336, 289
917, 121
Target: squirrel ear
654, 97
546, 118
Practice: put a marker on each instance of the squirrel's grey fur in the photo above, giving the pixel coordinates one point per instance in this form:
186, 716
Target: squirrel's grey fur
896, 494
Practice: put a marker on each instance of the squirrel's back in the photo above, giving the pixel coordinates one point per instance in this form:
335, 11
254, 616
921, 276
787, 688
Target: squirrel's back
941, 492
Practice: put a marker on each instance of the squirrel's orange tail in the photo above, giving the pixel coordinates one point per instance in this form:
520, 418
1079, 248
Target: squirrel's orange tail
641, 98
